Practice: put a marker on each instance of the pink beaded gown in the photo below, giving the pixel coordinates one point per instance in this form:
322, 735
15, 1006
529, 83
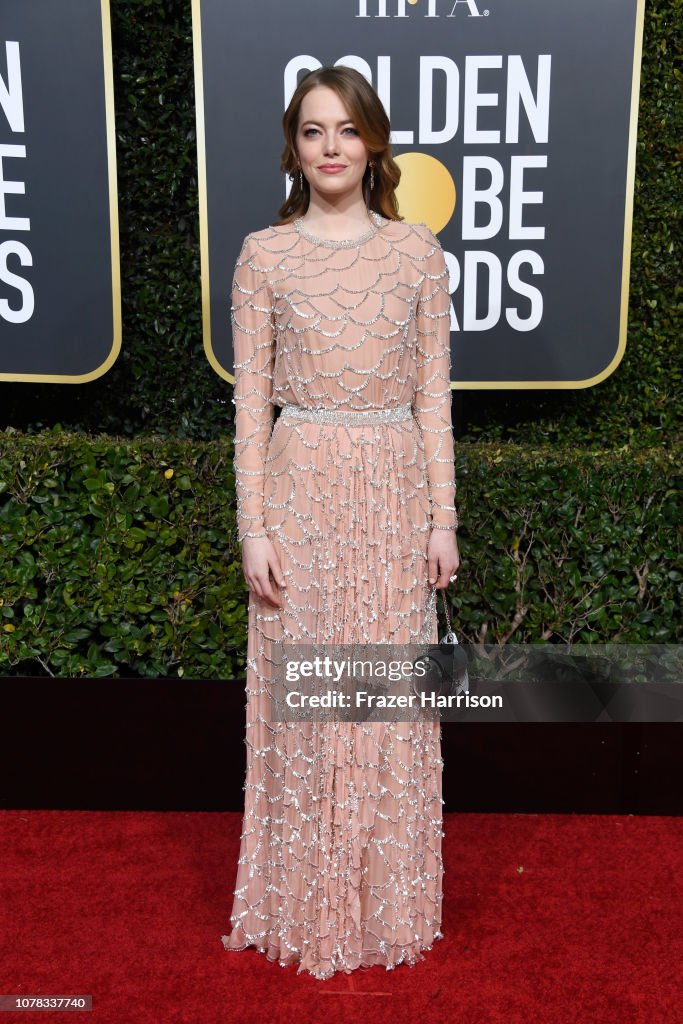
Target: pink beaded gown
340, 863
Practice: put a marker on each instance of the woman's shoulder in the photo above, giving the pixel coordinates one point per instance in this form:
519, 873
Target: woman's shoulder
265, 246
412, 235
262, 236
421, 231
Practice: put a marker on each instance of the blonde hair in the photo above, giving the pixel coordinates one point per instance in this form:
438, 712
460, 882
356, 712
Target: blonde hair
371, 121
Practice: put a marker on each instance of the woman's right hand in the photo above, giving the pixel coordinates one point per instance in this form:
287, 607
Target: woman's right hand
259, 562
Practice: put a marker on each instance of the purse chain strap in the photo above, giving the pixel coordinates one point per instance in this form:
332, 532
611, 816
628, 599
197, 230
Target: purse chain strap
450, 637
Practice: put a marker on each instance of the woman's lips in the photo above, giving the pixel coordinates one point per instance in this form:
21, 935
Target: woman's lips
331, 169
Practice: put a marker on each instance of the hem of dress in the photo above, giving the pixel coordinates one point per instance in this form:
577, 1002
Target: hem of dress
409, 958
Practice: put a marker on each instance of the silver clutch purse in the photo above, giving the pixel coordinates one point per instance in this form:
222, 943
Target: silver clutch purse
442, 669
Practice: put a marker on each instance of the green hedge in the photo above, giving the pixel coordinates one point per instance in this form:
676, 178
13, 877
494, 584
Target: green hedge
162, 382
120, 557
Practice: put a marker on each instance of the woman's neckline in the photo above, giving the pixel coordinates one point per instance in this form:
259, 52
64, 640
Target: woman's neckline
344, 243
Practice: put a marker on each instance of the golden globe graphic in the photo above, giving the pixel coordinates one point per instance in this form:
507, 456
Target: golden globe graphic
426, 192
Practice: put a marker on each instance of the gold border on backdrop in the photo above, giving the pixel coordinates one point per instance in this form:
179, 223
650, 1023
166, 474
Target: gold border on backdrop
468, 385
113, 224
202, 189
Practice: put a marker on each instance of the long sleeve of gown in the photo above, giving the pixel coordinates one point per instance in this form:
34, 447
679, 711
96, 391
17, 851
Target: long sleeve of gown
253, 335
432, 401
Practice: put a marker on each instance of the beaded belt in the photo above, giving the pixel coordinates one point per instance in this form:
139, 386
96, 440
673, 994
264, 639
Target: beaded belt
351, 417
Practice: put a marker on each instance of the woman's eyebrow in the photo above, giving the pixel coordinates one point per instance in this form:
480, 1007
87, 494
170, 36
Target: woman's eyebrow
349, 120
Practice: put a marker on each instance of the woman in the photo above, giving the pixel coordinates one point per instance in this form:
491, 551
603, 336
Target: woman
346, 515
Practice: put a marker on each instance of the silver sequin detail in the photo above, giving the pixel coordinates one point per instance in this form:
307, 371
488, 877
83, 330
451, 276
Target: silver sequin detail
345, 243
349, 417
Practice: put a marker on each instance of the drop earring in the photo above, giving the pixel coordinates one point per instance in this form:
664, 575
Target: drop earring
372, 178
301, 181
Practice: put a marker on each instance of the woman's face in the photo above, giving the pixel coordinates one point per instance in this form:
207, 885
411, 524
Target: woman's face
327, 137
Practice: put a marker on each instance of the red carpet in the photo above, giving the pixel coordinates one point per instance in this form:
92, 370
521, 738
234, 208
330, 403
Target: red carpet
547, 918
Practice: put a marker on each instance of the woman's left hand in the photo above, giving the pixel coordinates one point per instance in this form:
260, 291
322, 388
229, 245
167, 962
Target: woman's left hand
442, 556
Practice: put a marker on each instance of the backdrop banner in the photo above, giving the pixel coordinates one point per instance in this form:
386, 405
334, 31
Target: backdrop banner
514, 124
60, 302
